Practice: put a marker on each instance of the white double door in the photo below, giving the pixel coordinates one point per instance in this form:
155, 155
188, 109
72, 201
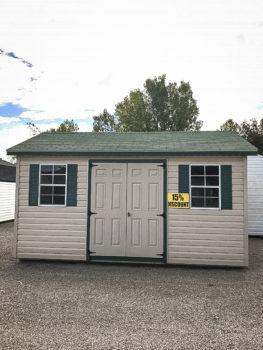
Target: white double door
126, 208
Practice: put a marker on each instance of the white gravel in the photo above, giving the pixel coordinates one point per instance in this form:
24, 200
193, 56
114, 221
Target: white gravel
56, 305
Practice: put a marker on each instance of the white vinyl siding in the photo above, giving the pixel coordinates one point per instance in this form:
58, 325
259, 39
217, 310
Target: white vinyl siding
255, 195
52, 232
195, 236
7, 201
208, 237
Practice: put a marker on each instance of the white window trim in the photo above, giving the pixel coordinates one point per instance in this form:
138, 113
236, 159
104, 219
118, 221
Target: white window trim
219, 187
39, 184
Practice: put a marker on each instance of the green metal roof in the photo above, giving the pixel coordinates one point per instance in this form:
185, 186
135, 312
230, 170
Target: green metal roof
136, 143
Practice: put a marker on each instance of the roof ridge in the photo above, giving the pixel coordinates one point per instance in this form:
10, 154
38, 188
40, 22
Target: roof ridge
135, 132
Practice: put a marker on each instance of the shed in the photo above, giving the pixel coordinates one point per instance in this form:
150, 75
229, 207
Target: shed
255, 195
164, 197
7, 190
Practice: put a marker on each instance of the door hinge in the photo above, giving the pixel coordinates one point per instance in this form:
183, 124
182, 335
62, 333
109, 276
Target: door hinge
162, 165
163, 255
91, 213
163, 215
89, 252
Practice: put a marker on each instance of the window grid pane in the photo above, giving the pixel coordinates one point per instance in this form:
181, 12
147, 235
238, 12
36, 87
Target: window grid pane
197, 170
52, 185
205, 188
212, 170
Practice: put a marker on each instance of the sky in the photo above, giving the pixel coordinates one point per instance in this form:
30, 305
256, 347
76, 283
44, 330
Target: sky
72, 58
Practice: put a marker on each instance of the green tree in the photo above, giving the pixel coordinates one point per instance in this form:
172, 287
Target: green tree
66, 126
133, 113
230, 125
104, 122
156, 95
182, 107
252, 131
158, 107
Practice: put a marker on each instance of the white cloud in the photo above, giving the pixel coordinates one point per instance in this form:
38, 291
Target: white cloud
17, 80
90, 54
19, 133
46, 126
12, 136
56, 114
7, 120
84, 127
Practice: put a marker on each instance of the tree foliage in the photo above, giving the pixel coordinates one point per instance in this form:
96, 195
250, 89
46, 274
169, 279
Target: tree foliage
230, 125
33, 128
133, 114
104, 122
66, 126
158, 107
252, 131
157, 97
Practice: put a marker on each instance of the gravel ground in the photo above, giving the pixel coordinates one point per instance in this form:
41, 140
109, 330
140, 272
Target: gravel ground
55, 305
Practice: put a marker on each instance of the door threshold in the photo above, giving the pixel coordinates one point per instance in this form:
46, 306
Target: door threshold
125, 259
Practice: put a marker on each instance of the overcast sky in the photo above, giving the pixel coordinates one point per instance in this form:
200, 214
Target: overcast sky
72, 58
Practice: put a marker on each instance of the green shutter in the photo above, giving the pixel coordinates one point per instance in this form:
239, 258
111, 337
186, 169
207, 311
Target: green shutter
183, 178
33, 184
72, 181
226, 186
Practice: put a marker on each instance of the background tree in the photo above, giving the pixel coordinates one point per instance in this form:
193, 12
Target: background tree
104, 122
33, 128
158, 107
66, 126
133, 113
183, 110
156, 95
252, 131
230, 125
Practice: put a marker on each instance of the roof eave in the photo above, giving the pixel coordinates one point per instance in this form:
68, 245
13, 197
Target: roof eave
155, 153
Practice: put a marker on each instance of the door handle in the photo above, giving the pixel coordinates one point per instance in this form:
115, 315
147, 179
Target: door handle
129, 214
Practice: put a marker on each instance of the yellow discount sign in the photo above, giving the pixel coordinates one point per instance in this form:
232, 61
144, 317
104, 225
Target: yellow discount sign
178, 200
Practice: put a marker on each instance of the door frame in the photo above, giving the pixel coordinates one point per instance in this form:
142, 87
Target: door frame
162, 259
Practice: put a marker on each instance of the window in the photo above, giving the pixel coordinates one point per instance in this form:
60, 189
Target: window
205, 188
52, 184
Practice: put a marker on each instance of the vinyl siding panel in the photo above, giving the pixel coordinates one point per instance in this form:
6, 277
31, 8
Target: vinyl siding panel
255, 195
208, 236
52, 232
7, 201
194, 236
50, 238
49, 255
